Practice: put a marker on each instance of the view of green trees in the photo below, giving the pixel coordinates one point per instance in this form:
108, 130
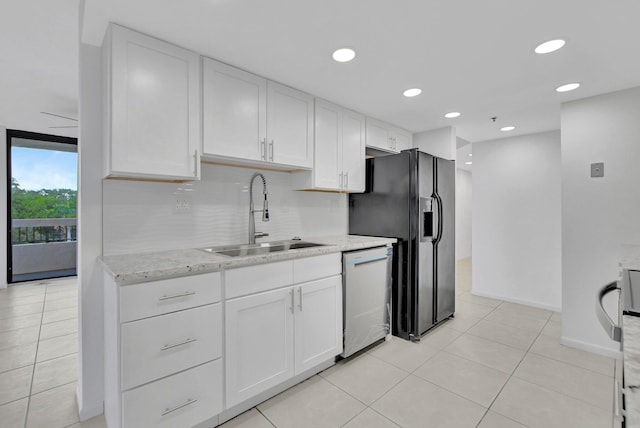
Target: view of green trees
44, 203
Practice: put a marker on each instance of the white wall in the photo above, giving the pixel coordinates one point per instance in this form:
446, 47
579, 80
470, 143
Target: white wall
139, 216
90, 387
3, 207
463, 214
516, 219
598, 214
439, 142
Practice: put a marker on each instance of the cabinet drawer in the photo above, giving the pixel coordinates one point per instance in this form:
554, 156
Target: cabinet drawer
254, 279
168, 295
182, 400
317, 267
160, 346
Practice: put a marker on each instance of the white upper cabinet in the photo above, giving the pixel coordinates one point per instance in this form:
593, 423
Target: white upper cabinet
289, 126
402, 139
353, 151
338, 151
379, 135
386, 137
235, 118
248, 119
327, 171
153, 110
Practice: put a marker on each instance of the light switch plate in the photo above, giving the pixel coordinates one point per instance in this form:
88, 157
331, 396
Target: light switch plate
597, 169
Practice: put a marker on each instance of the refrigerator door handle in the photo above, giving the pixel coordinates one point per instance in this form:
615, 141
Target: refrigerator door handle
438, 233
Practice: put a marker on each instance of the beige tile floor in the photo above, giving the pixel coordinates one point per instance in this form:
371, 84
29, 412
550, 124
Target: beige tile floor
496, 365
38, 356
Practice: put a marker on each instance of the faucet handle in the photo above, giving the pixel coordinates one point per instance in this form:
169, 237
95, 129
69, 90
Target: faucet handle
260, 234
296, 238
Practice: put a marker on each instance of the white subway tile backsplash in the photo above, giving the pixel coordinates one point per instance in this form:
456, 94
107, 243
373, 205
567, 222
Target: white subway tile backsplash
140, 216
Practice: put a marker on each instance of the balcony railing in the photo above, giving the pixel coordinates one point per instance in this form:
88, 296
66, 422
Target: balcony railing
43, 248
42, 230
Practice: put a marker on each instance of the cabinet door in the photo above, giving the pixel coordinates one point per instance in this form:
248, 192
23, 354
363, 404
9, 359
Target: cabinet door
234, 112
403, 139
155, 108
289, 126
259, 343
353, 151
378, 135
318, 327
328, 146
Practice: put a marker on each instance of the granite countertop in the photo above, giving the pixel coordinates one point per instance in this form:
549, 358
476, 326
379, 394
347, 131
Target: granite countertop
631, 345
630, 257
143, 267
631, 340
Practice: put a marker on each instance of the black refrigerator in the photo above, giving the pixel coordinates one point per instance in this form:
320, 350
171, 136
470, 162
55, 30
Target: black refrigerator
411, 196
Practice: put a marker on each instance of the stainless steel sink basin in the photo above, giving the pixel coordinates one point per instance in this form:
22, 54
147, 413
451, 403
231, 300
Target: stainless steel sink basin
262, 248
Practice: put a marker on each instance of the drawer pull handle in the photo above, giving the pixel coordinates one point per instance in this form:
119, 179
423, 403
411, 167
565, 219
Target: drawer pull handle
186, 342
178, 407
175, 296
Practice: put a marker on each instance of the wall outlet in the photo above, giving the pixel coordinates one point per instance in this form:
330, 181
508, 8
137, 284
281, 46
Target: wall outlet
181, 204
597, 169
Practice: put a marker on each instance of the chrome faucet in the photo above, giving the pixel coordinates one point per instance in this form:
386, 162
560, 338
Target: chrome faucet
265, 209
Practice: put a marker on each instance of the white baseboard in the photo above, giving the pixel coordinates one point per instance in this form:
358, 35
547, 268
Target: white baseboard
87, 411
518, 301
589, 347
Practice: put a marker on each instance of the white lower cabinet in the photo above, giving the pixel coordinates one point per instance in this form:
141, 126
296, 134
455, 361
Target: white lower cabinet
275, 335
163, 370
182, 400
259, 348
164, 364
318, 322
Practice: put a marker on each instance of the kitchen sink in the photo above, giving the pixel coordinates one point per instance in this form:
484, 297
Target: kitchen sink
262, 248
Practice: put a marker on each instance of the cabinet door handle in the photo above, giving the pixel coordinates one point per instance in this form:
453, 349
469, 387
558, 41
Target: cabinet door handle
178, 407
195, 163
175, 345
292, 304
263, 149
176, 296
340, 180
300, 294
271, 150
346, 180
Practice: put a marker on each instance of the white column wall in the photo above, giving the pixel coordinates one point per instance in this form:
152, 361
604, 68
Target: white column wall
463, 214
516, 220
90, 389
598, 214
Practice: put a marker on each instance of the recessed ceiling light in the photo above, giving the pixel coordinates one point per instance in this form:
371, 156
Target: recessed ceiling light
413, 92
344, 55
507, 128
452, 114
550, 46
568, 87
468, 163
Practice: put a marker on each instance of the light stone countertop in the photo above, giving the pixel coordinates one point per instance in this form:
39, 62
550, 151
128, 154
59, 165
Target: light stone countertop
631, 345
630, 257
151, 266
631, 340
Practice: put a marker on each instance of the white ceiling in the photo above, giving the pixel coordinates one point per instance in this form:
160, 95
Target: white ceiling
39, 65
472, 56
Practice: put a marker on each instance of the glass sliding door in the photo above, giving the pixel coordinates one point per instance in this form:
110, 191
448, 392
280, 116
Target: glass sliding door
42, 176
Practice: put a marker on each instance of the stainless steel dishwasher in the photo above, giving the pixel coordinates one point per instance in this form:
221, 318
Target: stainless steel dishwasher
366, 297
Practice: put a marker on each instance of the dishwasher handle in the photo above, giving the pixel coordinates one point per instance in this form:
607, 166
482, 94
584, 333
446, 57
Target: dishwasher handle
613, 330
357, 262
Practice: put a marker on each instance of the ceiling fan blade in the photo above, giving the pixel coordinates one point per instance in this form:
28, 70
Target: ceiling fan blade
59, 115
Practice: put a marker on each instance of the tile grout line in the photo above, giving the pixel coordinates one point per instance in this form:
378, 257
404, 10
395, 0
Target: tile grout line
511, 375
35, 357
